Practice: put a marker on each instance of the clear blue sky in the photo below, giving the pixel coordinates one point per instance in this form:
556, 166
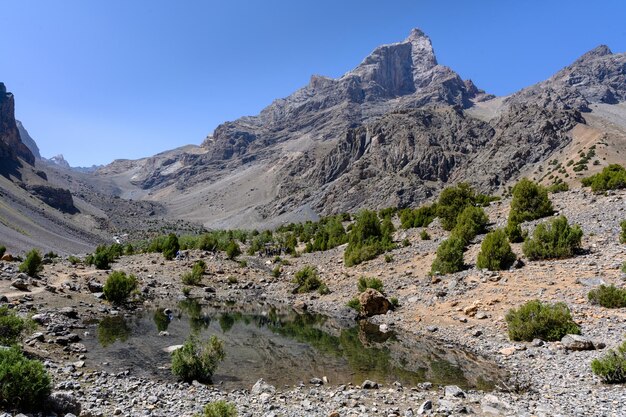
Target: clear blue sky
104, 79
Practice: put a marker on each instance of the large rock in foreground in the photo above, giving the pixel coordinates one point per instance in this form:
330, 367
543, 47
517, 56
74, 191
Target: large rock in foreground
373, 303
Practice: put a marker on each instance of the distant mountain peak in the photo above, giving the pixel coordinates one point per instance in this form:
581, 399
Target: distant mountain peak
597, 52
60, 161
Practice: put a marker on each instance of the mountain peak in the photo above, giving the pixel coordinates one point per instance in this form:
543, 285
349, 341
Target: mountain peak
597, 52
416, 34
422, 53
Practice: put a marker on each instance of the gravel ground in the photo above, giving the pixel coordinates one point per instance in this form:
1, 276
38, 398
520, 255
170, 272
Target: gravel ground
464, 309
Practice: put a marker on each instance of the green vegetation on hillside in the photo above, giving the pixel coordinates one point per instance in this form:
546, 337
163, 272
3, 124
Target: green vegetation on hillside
495, 252
612, 366
612, 177
554, 240
369, 237
537, 320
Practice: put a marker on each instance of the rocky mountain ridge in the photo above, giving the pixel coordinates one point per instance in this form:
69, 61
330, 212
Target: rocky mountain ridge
392, 131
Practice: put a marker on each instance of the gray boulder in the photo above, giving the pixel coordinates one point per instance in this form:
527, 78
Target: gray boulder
577, 342
261, 387
20, 284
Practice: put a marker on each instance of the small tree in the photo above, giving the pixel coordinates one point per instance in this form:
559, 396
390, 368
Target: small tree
622, 236
514, 232
171, 247
3, 249
452, 201
535, 319
233, 250
495, 252
118, 287
471, 222
195, 276
24, 383
449, 256
32, 264
530, 201
198, 360
556, 240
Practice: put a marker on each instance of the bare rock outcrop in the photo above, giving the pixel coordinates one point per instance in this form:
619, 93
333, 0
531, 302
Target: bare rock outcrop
59, 198
11, 146
599, 76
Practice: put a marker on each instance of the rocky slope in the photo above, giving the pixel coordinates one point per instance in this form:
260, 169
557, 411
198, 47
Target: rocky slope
393, 131
462, 310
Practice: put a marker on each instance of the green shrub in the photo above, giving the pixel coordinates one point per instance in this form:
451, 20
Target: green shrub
622, 236
186, 291
11, 326
394, 302
514, 232
612, 177
195, 276
276, 271
368, 238
558, 187
424, 235
232, 280
233, 250
420, 217
471, 222
198, 360
495, 252
105, 255
608, 296
118, 287
355, 304
612, 366
530, 201
129, 250
451, 203
388, 258
207, 242
555, 240
101, 260
32, 264
24, 383
73, 260
449, 257
3, 249
371, 282
171, 247
219, 409
307, 280
536, 320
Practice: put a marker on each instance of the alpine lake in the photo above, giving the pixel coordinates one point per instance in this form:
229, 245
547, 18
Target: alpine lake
280, 345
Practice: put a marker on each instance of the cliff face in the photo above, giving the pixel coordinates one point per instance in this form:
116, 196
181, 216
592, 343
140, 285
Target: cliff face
11, 146
28, 140
395, 76
13, 151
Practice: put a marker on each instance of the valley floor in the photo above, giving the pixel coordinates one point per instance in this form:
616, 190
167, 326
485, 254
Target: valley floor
465, 309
